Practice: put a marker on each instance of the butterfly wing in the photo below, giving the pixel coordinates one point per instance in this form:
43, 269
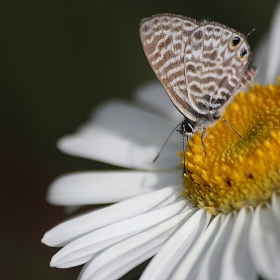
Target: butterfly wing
164, 38
214, 68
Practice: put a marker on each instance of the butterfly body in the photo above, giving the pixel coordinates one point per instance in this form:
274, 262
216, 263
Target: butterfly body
200, 65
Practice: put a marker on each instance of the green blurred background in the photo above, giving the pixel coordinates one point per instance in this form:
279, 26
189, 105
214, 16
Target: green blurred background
58, 60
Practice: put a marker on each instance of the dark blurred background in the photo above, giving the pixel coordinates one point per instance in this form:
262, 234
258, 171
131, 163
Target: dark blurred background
58, 60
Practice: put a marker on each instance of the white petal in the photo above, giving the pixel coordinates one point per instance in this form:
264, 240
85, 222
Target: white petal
153, 95
273, 66
170, 255
127, 136
275, 203
266, 55
211, 264
125, 118
260, 60
76, 227
120, 258
264, 243
236, 262
187, 269
82, 249
123, 263
108, 186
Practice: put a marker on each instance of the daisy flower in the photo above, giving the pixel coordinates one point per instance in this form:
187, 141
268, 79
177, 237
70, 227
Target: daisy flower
221, 221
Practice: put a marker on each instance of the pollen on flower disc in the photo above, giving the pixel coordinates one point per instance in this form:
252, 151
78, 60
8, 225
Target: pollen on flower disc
237, 172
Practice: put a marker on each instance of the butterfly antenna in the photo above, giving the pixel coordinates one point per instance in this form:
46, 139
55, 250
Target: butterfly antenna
157, 156
250, 32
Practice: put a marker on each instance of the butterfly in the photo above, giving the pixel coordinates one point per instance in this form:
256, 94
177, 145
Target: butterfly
200, 65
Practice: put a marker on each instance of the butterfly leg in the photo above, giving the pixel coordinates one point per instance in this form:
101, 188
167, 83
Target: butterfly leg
201, 139
230, 126
184, 159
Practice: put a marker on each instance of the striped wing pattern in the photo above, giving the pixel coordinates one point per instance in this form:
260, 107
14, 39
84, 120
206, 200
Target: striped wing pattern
195, 63
164, 38
213, 70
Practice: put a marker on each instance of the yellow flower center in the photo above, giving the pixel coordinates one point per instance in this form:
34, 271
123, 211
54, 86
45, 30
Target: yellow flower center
237, 172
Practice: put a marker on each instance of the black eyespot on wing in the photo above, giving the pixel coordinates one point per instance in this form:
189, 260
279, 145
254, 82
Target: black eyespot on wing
235, 41
243, 53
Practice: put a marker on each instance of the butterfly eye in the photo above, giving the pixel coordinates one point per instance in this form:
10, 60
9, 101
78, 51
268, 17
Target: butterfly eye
234, 42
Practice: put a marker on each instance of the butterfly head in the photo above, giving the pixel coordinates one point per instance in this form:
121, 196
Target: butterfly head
187, 128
